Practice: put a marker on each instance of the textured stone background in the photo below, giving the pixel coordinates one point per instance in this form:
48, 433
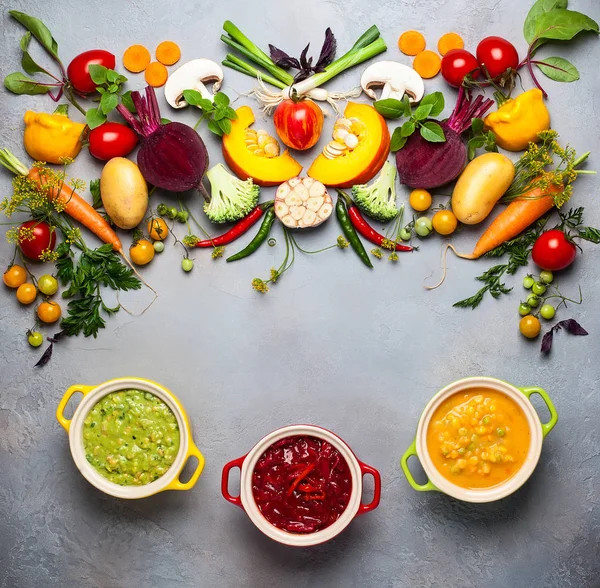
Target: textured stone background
333, 344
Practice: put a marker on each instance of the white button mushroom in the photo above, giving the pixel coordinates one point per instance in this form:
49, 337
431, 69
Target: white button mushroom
192, 76
396, 79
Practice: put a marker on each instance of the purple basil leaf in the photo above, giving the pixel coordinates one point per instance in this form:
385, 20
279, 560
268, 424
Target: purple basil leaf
327, 51
572, 326
46, 357
547, 341
301, 75
305, 64
282, 59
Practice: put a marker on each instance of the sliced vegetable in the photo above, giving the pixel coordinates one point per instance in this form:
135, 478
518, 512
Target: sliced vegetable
411, 42
136, 58
427, 64
378, 200
449, 41
302, 202
156, 74
396, 80
168, 53
193, 75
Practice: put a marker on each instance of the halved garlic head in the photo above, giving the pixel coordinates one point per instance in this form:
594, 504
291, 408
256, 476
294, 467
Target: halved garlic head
347, 133
302, 202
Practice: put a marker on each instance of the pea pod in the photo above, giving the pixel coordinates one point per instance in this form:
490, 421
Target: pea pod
259, 239
350, 233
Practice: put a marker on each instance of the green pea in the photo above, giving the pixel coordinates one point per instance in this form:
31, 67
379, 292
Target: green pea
500, 432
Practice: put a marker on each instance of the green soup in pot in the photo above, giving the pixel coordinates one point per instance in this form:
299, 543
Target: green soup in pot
131, 437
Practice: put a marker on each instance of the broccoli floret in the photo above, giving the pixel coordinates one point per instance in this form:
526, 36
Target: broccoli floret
231, 198
378, 200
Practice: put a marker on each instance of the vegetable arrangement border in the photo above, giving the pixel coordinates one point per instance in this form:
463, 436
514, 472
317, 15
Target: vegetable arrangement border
172, 156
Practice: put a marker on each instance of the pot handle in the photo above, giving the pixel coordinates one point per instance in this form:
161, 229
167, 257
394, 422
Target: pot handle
236, 463
177, 484
412, 450
529, 392
64, 421
367, 469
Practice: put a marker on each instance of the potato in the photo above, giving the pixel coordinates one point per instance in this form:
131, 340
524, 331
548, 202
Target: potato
124, 192
482, 183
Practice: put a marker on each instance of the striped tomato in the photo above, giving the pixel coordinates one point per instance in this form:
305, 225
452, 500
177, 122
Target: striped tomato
298, 123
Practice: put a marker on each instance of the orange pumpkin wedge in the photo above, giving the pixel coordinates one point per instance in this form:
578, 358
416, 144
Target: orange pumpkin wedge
362, 163
247, 162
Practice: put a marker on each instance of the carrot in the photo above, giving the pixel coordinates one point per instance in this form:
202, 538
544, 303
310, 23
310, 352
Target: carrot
450, 41
77, 208
168, 53
156, 74
427, 64
411, 42
136, 58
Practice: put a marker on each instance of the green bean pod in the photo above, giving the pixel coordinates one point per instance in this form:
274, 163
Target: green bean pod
350, 232
259, 239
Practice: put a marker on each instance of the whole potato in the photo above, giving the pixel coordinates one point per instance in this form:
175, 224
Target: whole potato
482, 183
124, 193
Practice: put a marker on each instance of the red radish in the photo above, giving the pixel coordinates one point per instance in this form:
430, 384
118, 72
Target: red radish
422, 164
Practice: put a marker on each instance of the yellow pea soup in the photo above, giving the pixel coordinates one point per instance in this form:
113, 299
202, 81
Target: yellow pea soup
478, 438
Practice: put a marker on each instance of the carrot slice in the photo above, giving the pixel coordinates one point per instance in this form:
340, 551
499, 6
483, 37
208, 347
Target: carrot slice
450, 41
411, 42
136, 58
168, 53
156, 74
427, 64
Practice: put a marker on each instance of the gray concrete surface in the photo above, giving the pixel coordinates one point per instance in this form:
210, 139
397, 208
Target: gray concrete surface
332, 344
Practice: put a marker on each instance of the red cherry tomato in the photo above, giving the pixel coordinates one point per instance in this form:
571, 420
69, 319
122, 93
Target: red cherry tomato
78, 71
456, 64
112, 140
553, 251
43, 238
497, 55
298, 124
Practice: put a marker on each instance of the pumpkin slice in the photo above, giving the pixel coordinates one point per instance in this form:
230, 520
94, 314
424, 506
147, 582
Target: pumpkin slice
360, 164
255, 154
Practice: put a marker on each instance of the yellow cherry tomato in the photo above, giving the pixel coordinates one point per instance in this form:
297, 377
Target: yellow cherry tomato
157, 229
530, 326
14, 276
49, 312
444, 222
419, 200
26, 293
142, 252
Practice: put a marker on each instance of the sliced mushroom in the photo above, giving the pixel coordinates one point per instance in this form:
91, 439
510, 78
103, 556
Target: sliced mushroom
396, 78
192, 76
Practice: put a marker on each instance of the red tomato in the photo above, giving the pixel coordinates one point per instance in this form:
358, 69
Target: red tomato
497, 55
78, 71
553, 251
43, 238
112, 140
456, 64
298, 124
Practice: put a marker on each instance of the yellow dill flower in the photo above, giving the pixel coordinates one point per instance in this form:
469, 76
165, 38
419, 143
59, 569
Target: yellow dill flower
342, 243
77, 184
387, 244
393, 256
48, 256
217, 252
274, 275
377, 253
191, 240
260, 285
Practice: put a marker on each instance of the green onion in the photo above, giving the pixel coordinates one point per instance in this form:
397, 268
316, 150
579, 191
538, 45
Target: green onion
240, 65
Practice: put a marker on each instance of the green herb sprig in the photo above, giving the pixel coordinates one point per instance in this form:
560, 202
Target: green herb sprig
480, 139
109, 85
218, 113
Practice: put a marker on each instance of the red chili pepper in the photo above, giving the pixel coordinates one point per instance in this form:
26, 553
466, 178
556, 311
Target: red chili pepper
366, 230
300, 477
238, 229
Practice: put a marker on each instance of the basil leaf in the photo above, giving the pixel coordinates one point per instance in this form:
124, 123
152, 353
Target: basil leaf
422, 111
94, 117
436, 100
397, 141
540, 7
477, 126
39, 30
406, 105
225, 125
432, 132
230, 113
390, 108
192, 97
221, 99
558, 69
108, 102
407, 129
112, 76
219, 114
127, 102
206, 105
562, 25
19, 83
98, 73
213, 127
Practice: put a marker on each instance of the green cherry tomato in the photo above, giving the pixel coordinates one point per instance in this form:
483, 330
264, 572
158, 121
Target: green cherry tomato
533, 301
187, 264
35, 338
172, 213
159, 246
547, 311
47, 285
183, 216
528, 282
405, 234
524, 309
423, 226
546, 277
539, 289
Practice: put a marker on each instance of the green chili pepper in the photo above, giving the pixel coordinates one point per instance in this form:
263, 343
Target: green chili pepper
259, 239
350, 233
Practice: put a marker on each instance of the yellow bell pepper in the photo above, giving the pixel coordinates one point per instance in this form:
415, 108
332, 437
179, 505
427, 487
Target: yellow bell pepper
51, 137
518, 121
